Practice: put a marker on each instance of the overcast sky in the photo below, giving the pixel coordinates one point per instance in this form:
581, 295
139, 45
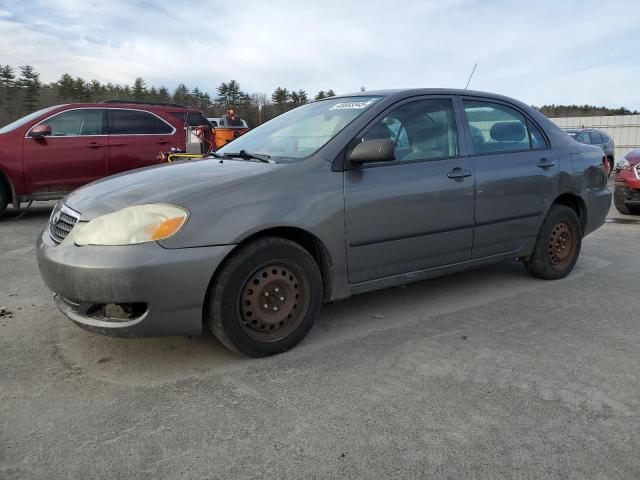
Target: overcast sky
540, 52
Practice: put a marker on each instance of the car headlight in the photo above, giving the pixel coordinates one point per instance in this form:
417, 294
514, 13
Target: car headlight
132, 225
623, 164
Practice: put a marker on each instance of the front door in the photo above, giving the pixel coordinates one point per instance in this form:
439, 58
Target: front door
74, 154
516, 177
415, 212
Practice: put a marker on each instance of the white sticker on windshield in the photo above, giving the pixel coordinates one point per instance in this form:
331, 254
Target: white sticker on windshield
351, 105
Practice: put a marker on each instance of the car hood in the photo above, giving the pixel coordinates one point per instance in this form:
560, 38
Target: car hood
178, 184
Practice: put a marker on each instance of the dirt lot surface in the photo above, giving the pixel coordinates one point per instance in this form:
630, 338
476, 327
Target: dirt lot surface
483, 374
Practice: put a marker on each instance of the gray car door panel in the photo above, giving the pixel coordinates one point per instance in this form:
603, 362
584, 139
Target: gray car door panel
513, 192
406, 216
513, 188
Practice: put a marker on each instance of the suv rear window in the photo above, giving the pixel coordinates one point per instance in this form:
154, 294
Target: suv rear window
193, 119
136, 122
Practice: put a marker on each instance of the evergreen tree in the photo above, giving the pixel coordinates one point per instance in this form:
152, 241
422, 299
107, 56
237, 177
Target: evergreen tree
30, 85
181, 94
280, 97
163, 94
7, 87
331, 93
139, 89
230, 95
81, 90
320, 95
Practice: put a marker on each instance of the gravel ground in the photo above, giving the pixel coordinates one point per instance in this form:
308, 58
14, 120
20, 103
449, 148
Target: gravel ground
484, 374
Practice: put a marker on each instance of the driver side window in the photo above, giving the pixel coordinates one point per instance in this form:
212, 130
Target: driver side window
73, 123
421, 130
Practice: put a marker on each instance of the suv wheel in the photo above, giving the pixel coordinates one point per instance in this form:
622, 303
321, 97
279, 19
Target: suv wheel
265, 298
4, 198
618, 200
558, 246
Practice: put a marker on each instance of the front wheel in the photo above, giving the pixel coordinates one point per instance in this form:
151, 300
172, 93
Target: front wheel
265, 298
558, 246
4, 199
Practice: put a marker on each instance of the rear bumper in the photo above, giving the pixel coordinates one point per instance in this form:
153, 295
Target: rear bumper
162, 290
598, 204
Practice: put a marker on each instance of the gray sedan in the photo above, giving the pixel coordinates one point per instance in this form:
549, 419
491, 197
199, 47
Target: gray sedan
334, 198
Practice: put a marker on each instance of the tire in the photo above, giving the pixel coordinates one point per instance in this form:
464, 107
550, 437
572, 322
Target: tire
4, 199
558, 245
612, 166
265, 298
618, 200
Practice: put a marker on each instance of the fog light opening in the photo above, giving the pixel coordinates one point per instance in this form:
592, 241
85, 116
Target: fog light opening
117, 312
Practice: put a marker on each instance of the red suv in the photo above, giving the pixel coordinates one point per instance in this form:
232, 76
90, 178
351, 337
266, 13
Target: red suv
626, 194
53, 151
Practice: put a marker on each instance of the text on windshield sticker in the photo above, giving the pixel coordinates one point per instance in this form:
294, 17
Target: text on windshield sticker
351, 105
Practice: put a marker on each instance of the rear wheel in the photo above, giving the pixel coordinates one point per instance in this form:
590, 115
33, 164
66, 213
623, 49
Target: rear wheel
558, 246
266, 298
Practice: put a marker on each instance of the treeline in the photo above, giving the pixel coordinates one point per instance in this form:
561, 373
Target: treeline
22, 92
555, 111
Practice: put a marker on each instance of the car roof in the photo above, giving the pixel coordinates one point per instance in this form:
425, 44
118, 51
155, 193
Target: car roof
135, 106
409, 92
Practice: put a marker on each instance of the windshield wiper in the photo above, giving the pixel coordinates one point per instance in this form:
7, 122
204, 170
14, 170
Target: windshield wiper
250, 156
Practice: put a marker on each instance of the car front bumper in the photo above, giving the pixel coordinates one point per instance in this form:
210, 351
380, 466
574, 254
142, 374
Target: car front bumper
130, 291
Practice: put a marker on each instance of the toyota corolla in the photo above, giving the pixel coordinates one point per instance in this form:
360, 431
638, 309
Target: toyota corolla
331, 199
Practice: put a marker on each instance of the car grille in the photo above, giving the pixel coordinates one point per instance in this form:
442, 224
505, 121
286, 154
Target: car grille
62, 221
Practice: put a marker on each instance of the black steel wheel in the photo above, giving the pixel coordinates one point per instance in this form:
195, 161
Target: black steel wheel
265, 297
558, 245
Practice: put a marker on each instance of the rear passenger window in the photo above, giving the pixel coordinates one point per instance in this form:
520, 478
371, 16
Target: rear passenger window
596, 138
496, 128
584, 138
537, 139
136, 122
421, 130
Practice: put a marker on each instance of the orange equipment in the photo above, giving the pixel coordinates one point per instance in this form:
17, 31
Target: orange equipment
229, 127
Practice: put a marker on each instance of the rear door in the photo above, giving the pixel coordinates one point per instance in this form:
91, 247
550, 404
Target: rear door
415, 212
596, 139
136, 139
516, 176
74, 154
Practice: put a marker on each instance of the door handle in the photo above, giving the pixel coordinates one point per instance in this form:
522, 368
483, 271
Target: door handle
458, 174
162, 141
96, 145
545, 164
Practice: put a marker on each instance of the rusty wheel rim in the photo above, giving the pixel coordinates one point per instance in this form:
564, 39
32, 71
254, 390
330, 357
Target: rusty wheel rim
562, 246
273, 301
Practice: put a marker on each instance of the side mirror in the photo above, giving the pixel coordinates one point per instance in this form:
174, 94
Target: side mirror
373, 151
40, 131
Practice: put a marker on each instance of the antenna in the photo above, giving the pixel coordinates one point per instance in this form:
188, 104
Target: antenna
472, 72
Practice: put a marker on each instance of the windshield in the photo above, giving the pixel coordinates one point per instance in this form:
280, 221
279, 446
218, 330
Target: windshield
302, 131
21, 121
